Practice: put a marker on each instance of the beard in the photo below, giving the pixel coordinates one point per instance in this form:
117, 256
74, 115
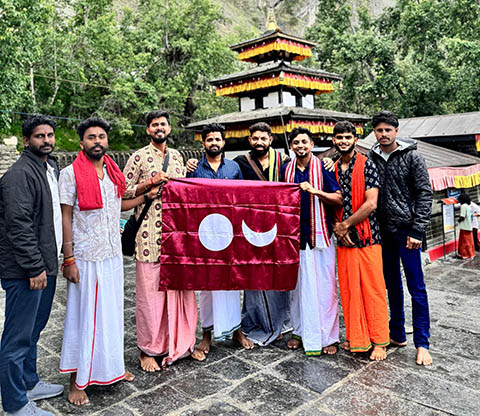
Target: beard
95, 156
159, 140
260, 150
43, 150
213, 153
345, 152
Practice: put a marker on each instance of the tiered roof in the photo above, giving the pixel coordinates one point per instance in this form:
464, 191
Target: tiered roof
273, 74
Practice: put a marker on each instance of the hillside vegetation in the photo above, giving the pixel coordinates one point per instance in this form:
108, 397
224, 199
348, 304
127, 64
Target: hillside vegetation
121, 58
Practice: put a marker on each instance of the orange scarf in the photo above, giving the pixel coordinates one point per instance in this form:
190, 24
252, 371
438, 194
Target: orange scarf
357, 189
86, 178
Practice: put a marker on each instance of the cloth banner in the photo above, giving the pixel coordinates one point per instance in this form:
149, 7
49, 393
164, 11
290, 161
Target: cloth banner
220, 234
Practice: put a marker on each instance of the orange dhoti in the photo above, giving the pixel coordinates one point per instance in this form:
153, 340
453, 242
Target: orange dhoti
363, 295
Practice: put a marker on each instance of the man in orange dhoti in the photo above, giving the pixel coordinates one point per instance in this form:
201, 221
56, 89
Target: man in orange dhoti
359, 253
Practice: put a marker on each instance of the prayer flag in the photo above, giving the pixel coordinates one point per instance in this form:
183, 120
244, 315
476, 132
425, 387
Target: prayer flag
222, 234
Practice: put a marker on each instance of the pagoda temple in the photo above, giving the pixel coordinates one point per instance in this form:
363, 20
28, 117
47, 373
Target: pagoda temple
276, 91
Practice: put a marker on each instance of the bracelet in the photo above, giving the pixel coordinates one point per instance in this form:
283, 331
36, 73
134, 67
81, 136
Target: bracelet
151, 183
69, 261
68, 257
69, 264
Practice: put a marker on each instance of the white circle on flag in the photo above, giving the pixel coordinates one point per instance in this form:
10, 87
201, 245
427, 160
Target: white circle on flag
215, 232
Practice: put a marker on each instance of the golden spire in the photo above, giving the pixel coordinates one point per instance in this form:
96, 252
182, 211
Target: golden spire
271, 20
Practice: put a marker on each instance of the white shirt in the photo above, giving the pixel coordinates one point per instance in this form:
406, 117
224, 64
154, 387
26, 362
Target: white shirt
57, 212
476, 210
96, 233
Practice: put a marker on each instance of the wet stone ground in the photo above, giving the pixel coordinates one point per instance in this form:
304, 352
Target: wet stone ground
274, 380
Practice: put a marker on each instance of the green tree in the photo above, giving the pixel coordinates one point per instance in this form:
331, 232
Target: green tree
417, 58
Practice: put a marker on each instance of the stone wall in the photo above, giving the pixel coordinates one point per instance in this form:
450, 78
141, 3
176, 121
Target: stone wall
8, 154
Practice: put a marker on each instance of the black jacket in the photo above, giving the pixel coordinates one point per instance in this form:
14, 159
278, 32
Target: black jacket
405, 196
27, 234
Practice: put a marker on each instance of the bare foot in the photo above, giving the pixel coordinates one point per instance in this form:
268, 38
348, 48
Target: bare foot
345, 346
378, 353
240, 337
279, 338
330, 349
148, 364
423, 356
294, 344
203, 348
398, 344
75, 395
129, 376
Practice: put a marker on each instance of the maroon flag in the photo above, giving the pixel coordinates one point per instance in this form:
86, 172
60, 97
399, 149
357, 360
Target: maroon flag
229, 234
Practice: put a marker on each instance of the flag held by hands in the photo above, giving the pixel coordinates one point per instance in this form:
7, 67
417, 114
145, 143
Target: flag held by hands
229, 235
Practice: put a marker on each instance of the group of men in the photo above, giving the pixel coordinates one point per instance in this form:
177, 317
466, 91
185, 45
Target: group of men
377, 207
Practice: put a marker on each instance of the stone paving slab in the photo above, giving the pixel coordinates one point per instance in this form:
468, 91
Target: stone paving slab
275, 380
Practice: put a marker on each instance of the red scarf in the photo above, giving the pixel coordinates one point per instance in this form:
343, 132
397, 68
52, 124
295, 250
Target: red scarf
86, 178
358, 196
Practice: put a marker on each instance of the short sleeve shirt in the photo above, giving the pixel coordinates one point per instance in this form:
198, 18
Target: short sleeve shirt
467, 213
96, 232
372, 180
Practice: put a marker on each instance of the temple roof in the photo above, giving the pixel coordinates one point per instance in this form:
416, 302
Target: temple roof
273, 67
279, 112
271, 35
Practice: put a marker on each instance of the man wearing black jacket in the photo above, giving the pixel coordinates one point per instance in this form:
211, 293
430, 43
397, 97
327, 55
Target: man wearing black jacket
404, 208
30, 240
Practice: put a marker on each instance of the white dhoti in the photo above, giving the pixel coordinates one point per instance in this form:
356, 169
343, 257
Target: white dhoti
220, 312
93, 335
314, 302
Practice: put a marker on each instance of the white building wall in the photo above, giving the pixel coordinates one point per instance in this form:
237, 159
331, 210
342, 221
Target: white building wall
271, 100
289, 99
247, 104
307, 101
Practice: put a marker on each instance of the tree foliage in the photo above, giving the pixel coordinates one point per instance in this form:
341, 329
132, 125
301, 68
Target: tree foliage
77, 58
417, 58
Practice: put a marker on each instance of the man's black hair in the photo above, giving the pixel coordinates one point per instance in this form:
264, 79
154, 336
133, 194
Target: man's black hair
385, 116
260, 126
211, 128
299, 130
152, 115
344, 126
34, 121
92, 122
463, 198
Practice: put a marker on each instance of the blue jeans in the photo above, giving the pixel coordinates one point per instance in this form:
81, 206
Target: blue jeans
393, 249
26, 314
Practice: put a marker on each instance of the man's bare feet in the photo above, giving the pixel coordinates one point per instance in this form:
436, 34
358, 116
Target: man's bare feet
75, 395
279, 338
203, 348
240, 337
330, 349
378, 353
148, 364
423, 356
129, 376
398, 344
294, 344
345, 346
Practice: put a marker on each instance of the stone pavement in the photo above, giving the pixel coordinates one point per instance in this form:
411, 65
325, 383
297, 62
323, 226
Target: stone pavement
275, 380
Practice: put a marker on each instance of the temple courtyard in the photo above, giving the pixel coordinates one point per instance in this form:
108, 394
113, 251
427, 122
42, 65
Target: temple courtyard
277, 381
